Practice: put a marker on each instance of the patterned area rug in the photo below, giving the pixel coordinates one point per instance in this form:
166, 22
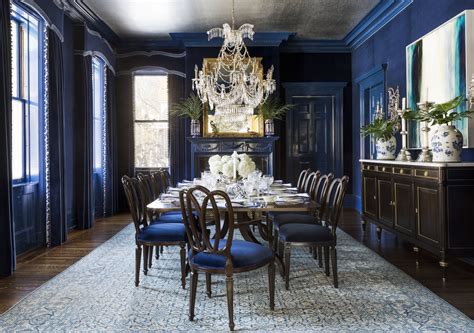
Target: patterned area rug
98, 293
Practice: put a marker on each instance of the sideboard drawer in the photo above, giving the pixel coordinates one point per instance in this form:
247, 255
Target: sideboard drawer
426, 173
402, 171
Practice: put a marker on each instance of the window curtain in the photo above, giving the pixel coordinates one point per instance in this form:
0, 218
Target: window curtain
83, 111
7, 243
111, 148
177, 129
56, 139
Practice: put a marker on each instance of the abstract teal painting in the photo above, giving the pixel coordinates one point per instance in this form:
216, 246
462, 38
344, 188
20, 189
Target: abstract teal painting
437, 67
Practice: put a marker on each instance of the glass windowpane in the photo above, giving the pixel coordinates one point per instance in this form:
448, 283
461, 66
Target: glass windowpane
17, 140
151, 145
151, 97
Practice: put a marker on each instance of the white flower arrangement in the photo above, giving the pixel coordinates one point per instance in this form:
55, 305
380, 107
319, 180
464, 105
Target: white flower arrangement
225, 165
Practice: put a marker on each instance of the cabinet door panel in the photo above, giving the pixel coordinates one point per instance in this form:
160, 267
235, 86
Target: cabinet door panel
369, 193
403, 199
427, 214
385, 201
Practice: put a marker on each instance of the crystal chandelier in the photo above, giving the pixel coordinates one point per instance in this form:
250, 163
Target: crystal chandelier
233, 87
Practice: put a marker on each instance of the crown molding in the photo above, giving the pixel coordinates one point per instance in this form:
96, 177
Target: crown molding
151, 70
200, 39
314, 46
378, 17
151, 54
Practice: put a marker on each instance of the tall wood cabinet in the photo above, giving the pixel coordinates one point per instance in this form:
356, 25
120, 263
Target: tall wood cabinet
430, 205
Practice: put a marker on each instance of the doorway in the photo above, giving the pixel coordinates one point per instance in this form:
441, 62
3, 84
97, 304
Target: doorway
314, 128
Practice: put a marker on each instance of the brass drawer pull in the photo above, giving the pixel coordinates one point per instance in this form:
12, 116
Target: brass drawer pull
426, 174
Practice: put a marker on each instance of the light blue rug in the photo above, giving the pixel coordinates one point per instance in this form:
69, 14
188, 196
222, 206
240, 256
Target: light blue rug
98, 294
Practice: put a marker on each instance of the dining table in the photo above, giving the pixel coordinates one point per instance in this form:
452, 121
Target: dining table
253, 214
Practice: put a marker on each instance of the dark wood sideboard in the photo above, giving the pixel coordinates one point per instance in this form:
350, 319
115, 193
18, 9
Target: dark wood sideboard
431, 205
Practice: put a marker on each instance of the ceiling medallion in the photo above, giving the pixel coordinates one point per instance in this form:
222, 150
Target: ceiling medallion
234, 87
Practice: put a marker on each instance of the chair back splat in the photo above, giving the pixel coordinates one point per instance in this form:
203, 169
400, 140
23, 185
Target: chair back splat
136, 202
321, 190
310, 182
165, 180
301, 180
149, 186
335, 201
199, 199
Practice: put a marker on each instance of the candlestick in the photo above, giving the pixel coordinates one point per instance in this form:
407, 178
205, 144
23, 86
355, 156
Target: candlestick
404, 154
425, 155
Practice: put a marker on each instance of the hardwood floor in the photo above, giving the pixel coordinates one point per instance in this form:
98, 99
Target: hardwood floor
37, 267
459, 286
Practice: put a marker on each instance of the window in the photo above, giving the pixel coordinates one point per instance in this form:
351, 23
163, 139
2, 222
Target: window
151, 121
98, 74
26, 89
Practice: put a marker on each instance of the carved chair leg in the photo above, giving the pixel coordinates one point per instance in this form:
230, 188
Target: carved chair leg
208, 285
379, 233
326, 260
364, 224
145, 259
287, 265
334, 266
150, 256
320, 256
161, 249
315, 252
193, 289
271, 283
157, 252
182, 254
138, 259
230, 300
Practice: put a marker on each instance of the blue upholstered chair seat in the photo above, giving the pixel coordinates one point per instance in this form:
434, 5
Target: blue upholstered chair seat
163, 232
243, 253
283, 219
298, 232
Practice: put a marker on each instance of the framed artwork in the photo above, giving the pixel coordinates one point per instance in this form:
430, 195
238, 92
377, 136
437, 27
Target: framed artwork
440, 66
252, 126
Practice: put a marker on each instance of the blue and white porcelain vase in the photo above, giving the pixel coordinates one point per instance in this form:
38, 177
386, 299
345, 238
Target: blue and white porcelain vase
386, 148
446, 144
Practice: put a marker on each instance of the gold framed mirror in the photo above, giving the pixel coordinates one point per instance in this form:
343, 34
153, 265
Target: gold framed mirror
253, 126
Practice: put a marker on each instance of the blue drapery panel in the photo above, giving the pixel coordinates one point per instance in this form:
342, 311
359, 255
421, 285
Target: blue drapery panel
177, 129
84, 192
111, 148
7, 246
56, 139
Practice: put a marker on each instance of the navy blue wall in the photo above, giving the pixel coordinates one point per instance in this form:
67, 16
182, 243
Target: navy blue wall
387, 46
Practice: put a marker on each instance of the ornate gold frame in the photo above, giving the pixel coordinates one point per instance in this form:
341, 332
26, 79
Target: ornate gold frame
257, 127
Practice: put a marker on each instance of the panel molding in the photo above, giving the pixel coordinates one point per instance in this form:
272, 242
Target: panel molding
315, 89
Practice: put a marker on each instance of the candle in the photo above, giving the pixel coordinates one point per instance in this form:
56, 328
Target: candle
234, 159
404, 103
195, 71
427, 90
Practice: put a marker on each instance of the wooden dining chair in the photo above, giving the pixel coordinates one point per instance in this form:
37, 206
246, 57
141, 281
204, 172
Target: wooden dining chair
301, 180
317, 235
310, 181
148, 235
217, 252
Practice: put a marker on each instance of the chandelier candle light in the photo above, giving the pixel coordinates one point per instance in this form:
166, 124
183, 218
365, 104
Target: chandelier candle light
233, 87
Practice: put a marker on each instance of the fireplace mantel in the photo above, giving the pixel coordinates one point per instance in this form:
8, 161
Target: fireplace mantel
260, 149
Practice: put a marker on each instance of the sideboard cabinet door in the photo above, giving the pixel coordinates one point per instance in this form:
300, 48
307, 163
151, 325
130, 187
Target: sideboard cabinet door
369, 193
385, 208
403, 202
427, 213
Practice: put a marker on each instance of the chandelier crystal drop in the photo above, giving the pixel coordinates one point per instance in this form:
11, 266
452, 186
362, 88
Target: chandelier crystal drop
234, 87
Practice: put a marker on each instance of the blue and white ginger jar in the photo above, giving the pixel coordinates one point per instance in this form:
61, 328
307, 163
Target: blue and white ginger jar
386, 148
446, 144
